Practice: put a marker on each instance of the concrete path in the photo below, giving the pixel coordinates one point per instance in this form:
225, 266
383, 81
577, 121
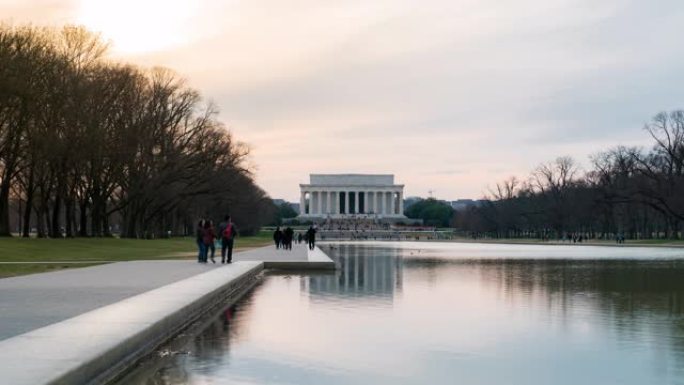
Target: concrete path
33, 301
37, 300
271, 254
97, 346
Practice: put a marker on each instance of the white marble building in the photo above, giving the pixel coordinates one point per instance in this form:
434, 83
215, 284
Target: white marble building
347, 195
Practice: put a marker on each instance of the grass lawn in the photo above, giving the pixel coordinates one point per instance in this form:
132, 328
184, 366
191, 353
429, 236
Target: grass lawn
657, 242
15, 269
89, 250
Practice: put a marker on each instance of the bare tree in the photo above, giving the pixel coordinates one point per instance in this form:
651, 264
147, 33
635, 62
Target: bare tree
84, 141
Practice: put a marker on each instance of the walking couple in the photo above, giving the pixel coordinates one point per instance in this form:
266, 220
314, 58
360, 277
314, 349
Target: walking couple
206, 237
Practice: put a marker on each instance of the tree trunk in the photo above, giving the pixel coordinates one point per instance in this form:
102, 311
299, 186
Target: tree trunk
95, 221
5, 230
130, 222
105, 225
675, 229
55, 229
48, 220
83, 213
70, 217
26, 231
40, 221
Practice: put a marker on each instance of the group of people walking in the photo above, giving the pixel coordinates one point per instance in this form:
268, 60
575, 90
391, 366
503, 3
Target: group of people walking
207, 235
284, 238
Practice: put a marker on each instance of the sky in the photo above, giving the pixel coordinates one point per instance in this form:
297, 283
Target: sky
450, 96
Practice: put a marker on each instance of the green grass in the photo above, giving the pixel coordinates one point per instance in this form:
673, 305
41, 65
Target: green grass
33, 268
99, 249
655, 242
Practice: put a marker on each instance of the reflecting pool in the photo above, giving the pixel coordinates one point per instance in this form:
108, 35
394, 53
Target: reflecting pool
445, 313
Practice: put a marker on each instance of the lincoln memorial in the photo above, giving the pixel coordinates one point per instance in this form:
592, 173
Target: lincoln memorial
347, 195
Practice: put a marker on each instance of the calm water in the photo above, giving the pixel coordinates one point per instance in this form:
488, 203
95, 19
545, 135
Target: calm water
417, 313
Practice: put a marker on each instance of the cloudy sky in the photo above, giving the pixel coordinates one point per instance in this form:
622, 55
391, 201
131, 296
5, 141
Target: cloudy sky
449, 96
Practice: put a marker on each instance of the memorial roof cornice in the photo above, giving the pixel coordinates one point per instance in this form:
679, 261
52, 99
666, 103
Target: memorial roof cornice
307, 185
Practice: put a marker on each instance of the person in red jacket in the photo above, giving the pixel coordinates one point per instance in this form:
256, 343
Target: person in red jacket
208, 238
228, 232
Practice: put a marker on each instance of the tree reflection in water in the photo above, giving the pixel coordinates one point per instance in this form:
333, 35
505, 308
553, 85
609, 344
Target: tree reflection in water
204, 345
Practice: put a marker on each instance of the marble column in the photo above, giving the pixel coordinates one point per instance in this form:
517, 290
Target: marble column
328, 206
314, 202
394, 202
388, 200
330, 202
376, 207
401, 202
369, 202
302, 203
393, 196
319, 203
356, 202
383, 210
336, 202
348, 200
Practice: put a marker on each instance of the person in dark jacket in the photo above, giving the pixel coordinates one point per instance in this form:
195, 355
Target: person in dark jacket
277, 237
289, 235
311, 236
228, 232
199, 238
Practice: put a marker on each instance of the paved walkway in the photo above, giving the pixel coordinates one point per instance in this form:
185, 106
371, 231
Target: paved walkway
271, 254
33, 301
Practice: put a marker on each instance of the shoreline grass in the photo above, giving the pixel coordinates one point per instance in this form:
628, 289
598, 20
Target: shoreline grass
591, 242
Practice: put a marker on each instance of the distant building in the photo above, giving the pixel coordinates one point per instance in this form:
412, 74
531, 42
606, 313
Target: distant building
351, 195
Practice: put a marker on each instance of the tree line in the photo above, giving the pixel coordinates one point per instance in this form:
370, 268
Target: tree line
433, 212
628, 192
88, 144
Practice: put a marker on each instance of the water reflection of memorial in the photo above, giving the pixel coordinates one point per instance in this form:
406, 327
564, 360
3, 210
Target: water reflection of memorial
362, 272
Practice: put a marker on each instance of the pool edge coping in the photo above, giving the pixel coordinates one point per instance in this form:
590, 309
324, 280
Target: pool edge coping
94, 347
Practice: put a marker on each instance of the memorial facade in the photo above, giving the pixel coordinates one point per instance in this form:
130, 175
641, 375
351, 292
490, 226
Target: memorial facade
351, 195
